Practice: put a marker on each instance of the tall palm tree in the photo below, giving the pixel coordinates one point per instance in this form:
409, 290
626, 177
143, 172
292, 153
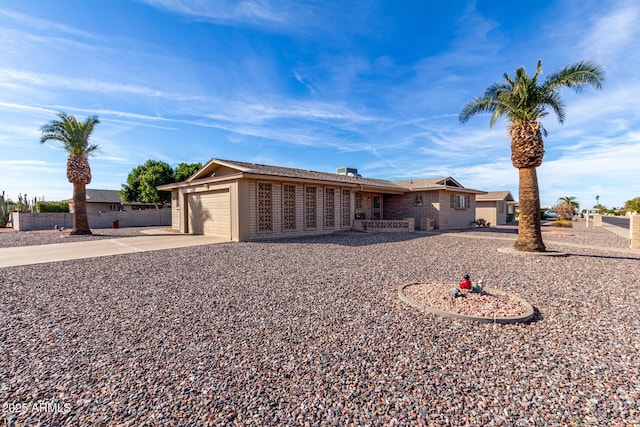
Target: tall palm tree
74, 136
524, 100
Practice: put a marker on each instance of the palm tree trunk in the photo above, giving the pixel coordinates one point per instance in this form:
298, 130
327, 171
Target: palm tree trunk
529, 233
80, 218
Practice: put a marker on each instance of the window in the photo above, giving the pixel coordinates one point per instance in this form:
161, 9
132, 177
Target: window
418, 199
310, 207
346, 207
460, 201
501, 207
264, 207
329, 211
288, 207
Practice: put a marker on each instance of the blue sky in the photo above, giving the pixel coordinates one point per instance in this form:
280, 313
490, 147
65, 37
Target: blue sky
375, 85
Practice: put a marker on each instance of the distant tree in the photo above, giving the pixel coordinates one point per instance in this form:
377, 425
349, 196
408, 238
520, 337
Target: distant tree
143, 180
632, 205
185, 170
567, 205
524, 101
601, 208
74, 136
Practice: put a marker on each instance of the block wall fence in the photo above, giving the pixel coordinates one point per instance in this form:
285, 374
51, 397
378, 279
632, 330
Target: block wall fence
26, 221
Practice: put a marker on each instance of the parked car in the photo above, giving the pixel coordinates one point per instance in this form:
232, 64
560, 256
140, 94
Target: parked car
550, 215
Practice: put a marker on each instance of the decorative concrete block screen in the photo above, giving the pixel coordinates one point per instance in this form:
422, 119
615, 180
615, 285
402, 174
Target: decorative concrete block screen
288, 207
385, 225
26, 221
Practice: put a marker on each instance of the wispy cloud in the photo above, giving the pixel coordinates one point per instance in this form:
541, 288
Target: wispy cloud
46, 25
616, 32
300, 17
12, 77
225, 10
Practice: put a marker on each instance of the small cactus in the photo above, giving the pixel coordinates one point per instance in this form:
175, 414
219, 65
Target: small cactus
4, 211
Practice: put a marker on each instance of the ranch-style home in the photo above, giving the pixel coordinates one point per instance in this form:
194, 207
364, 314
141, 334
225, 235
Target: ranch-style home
99, 201
245, 201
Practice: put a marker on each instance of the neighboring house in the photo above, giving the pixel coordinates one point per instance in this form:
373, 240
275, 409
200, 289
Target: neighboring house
245, 201
109, 200
495, 207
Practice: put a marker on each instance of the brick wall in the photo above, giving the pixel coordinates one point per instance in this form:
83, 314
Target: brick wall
398, 206
452, 218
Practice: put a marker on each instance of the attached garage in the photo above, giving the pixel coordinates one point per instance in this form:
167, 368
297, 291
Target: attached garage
210, 213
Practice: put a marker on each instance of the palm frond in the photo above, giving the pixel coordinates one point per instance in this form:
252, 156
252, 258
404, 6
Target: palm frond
479, 104
576, 76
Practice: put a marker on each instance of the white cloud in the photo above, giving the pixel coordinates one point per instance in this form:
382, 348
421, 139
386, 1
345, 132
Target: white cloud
616, 32
11, 77
45, 25
223, 10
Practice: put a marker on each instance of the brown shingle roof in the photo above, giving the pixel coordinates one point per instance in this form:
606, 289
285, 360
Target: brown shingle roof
428, 183
495, 195
306, 174
206, 173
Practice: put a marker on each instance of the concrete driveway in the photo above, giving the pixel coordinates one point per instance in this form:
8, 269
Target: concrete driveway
26, 255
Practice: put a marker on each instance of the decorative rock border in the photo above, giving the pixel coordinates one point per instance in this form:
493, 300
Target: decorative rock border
512, 251
520, 318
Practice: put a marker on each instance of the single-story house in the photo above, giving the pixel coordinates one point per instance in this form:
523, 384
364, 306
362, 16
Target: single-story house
246, 201
495, 207
99, 201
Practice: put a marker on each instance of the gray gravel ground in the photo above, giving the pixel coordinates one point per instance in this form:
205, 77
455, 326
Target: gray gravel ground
46, 237
311, 332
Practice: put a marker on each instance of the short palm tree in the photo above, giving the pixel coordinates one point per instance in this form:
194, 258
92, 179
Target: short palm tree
524, 100
74, 136
568, 204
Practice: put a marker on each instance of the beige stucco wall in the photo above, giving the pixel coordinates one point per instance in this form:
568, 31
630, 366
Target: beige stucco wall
634, 231
493, 211
486, 211
175, 210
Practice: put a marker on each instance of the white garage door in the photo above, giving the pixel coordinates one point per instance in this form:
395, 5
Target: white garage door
210, 213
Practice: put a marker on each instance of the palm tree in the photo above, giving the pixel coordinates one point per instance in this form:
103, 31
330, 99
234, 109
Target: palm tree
524, 100
632, 205
74, 136
568, 204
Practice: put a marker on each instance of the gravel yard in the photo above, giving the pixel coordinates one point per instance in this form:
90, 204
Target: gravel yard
10, 239
311, 332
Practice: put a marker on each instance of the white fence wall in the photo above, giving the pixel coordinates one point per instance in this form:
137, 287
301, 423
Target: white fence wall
26, 221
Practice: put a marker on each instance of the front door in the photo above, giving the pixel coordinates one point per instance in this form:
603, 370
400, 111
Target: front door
376, 207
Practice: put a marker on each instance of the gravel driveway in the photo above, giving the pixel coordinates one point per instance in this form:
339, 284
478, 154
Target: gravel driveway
311, 332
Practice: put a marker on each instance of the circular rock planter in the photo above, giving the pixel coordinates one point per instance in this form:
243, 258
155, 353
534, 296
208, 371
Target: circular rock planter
492, 306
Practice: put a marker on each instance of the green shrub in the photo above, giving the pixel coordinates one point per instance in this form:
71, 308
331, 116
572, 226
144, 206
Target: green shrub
52, 207
562, 223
